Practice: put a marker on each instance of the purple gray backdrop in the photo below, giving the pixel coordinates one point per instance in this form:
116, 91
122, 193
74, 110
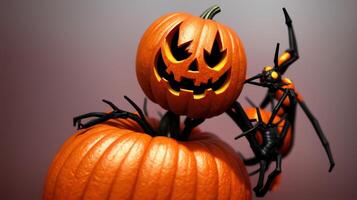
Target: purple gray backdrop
58, 59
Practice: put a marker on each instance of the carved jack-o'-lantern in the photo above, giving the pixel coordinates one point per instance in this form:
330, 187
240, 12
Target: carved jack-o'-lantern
191, 65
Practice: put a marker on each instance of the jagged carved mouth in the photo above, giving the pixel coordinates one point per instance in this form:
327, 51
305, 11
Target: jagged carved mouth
186, 83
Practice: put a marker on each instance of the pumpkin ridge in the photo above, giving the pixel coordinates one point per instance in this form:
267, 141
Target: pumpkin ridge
201, 27
242, 173
214, 156
90, 136
160, 171
173, 144
55, 161
195, 148
86, 154
232, 40
176, 164
196, 170
170, 22
99, 159
87, 181
164, 19
232, 174
67, 144
89, 150
137, 138
122, 161
139, 167
226, 165
64, 146
241, 54
120, 136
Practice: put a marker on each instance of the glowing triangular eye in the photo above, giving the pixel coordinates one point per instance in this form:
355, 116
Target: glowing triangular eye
213, 59
178, 52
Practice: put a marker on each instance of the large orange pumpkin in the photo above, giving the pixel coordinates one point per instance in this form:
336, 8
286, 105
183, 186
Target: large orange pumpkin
191, 65
116, 160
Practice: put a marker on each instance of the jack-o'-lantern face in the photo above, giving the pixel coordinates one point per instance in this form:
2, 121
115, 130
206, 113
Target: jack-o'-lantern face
184, 70
190, 65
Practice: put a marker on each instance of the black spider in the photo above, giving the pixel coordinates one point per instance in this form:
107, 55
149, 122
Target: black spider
271, 78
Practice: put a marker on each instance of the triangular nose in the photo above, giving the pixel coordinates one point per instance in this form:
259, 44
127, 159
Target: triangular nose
193, 66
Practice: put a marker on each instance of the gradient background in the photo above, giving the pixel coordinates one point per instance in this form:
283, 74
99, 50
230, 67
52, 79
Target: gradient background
60, 58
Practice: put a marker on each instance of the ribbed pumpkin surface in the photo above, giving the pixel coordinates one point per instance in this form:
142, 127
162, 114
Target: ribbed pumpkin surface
116, 161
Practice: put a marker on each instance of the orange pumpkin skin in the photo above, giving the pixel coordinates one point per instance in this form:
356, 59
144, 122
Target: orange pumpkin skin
287, 143
156, 56
116, 160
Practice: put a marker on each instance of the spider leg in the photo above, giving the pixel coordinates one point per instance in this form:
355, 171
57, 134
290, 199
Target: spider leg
258, 84
101, 119
116, 113
170, 124
260, 184
267, 98
254, 172
145, 107
271, 99
320, 134
77, 120
250, 161
238, 115
291, 54
253, 78
284, 131
142, 120
114, 107
250, 131
251, 103
265, 101
278, 106
281, 119
257, 170
271, 177
190, 124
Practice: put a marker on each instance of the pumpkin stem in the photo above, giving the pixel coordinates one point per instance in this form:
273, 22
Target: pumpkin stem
170, 125
190, 124
210, 12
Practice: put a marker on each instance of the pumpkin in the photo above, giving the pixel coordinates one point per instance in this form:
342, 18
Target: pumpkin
191, 65
287, 143
116, 160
